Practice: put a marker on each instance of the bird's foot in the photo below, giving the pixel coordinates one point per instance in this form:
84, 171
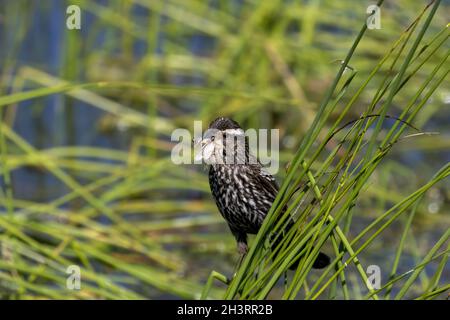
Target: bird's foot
242, 248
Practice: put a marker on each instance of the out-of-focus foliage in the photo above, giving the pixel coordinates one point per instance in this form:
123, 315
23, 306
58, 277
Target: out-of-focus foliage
86, 118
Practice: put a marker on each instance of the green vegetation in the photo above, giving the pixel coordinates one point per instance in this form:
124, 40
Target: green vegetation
351, 104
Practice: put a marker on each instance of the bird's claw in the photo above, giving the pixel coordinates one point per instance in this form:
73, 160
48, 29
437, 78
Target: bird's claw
242, 248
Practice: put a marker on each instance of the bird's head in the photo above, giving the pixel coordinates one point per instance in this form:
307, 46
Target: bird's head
223, 143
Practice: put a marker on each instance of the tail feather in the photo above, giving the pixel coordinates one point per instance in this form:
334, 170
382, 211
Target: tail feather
321, 261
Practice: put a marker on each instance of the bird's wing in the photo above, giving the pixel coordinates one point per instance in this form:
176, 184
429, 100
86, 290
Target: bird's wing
268, 182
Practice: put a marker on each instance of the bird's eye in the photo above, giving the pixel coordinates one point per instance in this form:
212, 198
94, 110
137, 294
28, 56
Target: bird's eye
212, 138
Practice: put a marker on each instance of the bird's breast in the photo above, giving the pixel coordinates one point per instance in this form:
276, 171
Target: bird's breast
239, 199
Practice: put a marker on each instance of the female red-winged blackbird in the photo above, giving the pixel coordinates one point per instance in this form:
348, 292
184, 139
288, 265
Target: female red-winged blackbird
242, 189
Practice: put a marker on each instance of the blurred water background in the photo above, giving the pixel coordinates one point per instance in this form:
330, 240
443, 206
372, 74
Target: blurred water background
239, 53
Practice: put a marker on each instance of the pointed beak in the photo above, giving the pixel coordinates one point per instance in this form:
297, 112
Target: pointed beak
202, 149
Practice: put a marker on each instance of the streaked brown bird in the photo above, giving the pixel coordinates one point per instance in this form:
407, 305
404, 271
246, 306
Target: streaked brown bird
243, 190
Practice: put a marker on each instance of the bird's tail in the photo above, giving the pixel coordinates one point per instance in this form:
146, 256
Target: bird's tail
321, 261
